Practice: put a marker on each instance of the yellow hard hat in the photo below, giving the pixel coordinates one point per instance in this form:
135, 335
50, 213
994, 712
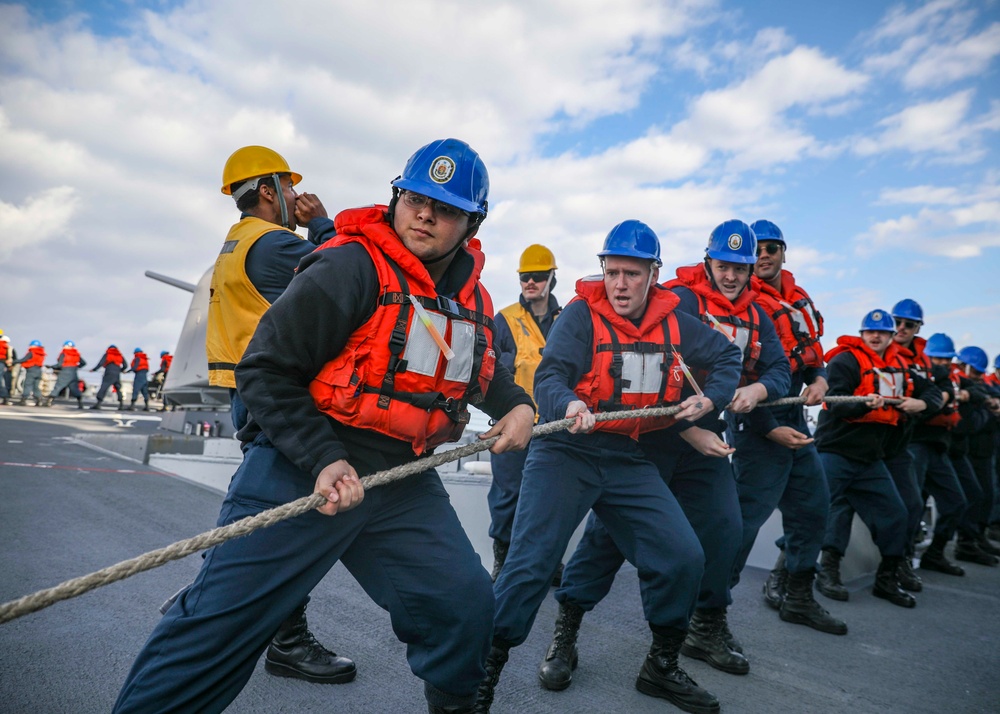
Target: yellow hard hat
252, 161
536, 257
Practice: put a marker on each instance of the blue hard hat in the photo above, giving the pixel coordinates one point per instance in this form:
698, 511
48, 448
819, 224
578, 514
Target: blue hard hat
137, 350
112, 347
975, 357
996, 363
734, 242
765, 230
878, 320
450, 171
632, 239
69, 343
34, 343
164, 353
939, 345
908, 310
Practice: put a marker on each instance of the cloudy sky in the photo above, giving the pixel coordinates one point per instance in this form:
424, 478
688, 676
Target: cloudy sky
868, 131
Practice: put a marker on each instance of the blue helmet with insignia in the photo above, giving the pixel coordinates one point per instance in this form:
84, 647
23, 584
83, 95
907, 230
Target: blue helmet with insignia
34, 343
69, 343
164, 353
975, 357
137, 350
939, 345
450, 171
733, 242
766, 230
879, 321
908, 310
632, 239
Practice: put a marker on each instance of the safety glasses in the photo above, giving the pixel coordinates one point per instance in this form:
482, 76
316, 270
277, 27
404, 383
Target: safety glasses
908, 324
539, 276
771, 248
416, 201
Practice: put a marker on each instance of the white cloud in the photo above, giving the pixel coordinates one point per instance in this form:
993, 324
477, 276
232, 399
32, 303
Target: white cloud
749, 120
941, 127
41, 218
935, 44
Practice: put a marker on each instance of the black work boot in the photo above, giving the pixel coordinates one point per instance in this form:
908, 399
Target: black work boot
556, 670
295, 652
934, 558
500, 548
499, 653
662, 677
79, 402
131, 407
968, 549
828, 579
121, 405
706, 641
774, 586
96, 406
985, 544
887, 583
800, 607
908, 578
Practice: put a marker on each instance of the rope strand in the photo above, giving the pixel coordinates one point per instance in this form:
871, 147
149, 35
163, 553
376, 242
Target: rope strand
181, 549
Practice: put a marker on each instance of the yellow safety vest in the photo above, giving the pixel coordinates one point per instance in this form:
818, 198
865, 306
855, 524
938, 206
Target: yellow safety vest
528, 341
234, 305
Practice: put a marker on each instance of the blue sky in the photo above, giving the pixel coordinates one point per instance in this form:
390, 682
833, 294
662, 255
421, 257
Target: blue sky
868, 131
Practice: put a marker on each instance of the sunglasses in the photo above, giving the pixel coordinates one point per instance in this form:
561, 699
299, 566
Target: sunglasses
771, 248
539, 276
908, 324
416, 201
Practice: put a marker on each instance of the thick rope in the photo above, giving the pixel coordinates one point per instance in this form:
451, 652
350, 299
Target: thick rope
181, 549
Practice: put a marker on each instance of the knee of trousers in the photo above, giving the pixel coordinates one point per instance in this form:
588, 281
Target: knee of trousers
470, 606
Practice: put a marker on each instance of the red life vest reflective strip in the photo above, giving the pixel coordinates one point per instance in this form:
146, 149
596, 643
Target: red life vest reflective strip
737, 321
113, 356
71, 357
392, 377
140, 362
888, 376
797, 321
630, 367
37, 358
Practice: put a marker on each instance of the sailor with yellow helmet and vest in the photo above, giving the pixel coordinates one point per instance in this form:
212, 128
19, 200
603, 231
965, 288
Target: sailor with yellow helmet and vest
257, 262
259, 256
522, 329
369, 359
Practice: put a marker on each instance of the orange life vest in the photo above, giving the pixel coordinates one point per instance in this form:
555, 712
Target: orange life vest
391, 376
949, 417
113, 356
737, 321
71, 357
990, 379
4, 350
629, 368
165, 362
888, 376
37, 358
796, 319
915, 357
140, 362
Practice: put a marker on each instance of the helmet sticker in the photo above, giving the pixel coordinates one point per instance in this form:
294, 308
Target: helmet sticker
876, 316
735, 241
442, 169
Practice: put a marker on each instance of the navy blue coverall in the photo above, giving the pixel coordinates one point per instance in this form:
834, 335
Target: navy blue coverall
591, 570
404, 543
769, 476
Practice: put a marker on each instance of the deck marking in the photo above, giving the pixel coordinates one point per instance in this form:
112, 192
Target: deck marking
81, 468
